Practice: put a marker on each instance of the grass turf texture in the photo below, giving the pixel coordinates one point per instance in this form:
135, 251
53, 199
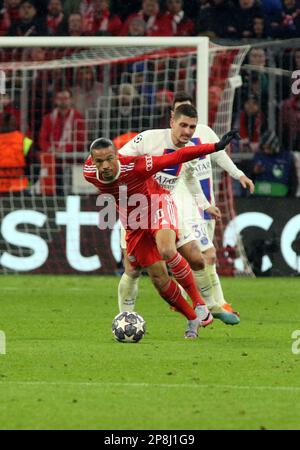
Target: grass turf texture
63, 370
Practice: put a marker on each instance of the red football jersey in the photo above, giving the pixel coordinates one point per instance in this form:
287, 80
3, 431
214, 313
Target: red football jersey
135, 177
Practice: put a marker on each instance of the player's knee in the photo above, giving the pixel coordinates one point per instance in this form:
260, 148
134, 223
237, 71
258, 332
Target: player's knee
197, 263
195, 259
210, 256
167, 252
131, 271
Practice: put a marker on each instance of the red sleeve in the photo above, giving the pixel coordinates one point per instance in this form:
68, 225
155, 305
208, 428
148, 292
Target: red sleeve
146, 166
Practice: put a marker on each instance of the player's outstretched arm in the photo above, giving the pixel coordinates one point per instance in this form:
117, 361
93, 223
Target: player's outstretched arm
149, 165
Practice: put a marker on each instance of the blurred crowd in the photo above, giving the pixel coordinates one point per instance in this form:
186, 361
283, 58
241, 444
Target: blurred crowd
61, 110
226, 19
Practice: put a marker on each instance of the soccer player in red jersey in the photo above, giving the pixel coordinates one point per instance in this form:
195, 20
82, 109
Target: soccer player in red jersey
113, 175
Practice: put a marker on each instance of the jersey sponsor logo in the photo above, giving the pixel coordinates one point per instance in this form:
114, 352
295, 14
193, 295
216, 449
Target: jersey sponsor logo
149, 163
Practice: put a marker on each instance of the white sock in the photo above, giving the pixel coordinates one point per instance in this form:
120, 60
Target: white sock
127, 293
205, 287
216, 285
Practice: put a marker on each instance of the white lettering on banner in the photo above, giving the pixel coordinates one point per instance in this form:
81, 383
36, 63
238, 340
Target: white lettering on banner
2, 343
288, 236
17, 238
2, 82
73, 219
296, 344
115, 242
238, 224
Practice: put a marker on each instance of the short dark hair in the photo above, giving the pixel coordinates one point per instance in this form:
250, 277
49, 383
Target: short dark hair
186, 110
101, 143
181, 97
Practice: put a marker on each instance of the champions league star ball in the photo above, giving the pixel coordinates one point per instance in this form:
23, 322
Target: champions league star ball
128, 327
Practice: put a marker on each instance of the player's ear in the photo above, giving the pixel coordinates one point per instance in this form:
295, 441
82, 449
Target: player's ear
172, 119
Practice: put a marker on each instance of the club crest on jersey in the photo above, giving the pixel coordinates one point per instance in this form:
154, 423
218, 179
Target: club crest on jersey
204, 240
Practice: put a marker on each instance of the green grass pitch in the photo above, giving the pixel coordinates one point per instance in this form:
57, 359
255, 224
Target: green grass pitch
63, 370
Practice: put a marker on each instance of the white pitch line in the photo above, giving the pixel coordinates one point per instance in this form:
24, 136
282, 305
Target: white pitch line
150, 385
33, 288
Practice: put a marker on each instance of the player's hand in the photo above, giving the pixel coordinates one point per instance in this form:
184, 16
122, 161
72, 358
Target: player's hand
226, 139
247, 183
214, 212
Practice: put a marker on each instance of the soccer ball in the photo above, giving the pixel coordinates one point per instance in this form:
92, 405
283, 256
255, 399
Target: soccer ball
128, 327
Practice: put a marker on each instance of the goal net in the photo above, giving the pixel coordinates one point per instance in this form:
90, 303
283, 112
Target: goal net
113, 91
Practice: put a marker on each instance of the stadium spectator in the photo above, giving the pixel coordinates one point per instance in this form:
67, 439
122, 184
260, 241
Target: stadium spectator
289, 119
125, 9
55, 16
29, 23
63, 133
290, 24
87, 92
9, 12
214, 99
7, 106
40, 91
99, 20
71, 7
215, 19
259, 28
251, 124
141, 81
136, 26
87, 89
182, 25
256, 82
126, 112
274, 170
74, 26
16, 159
157, 24
243, 16
162, 110
63, 129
